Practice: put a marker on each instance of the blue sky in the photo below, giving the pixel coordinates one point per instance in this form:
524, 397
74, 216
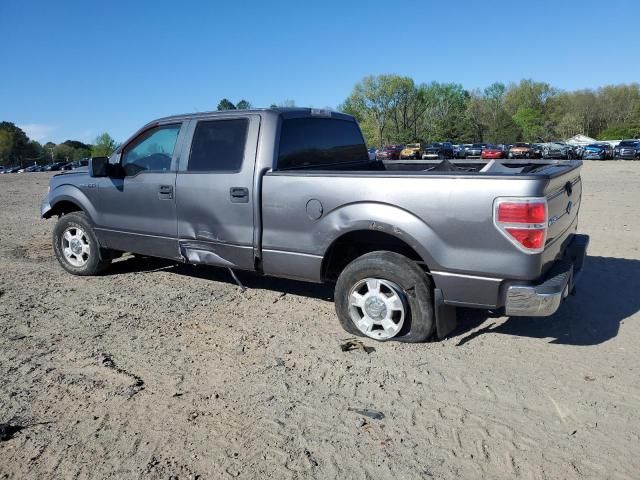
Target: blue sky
73, 69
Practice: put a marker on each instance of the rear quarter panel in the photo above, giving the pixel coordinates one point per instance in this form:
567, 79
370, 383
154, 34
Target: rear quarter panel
448, 220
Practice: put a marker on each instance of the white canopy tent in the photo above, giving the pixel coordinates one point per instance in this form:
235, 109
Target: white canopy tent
583, 140
580, 140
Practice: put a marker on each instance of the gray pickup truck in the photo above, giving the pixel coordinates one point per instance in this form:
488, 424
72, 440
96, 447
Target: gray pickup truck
292, 193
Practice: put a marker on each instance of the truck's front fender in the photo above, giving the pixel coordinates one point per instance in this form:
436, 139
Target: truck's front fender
58, 196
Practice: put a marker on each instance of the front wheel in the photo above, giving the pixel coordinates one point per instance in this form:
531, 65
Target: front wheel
76, 247
385, 296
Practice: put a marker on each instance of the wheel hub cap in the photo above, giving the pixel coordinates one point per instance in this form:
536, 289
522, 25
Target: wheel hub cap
75, 245
375, 308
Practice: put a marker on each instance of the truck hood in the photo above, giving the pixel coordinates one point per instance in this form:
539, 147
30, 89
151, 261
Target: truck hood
69, 177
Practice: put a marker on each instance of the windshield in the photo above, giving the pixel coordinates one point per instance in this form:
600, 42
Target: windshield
413, 145
628, 143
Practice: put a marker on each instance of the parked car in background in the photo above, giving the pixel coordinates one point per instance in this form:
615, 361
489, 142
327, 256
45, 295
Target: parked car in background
537, 150
372, 153
493, 152
462, 151
521, 150
475, 150
627, 150
79, 163
609, 150
389, 152
557, 150
13, 170
411, 151
56, 166
437, 150
595, 151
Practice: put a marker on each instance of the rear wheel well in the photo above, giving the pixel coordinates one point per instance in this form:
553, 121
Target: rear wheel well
352, 245
63, 207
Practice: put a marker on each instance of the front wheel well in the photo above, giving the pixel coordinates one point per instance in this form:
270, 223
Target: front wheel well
63, 207
352, 245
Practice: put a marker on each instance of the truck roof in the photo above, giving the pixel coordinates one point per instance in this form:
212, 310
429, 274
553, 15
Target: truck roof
286, 111
274, 113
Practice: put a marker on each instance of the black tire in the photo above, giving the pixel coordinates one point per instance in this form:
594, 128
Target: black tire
415, 285
98, 258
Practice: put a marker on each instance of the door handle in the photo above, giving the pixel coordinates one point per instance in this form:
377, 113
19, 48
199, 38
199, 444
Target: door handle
166, 192
239, 194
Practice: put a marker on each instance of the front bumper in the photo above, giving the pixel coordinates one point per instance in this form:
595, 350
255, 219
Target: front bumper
543, 299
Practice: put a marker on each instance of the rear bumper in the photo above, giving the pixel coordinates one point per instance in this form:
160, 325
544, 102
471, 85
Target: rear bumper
543, 299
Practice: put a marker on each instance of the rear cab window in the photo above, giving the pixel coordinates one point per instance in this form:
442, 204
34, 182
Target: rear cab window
218, 145
310, 142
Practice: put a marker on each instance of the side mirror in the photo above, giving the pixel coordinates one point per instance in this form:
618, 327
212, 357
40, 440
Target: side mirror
98, 166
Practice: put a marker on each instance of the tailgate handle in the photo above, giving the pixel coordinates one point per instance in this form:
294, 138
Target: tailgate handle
568, 188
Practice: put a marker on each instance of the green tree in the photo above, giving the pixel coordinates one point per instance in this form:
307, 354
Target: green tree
6, 146
104, 146
225, 104
531, 122
48, 151
17, 152
63, 152
34, 153
243, 105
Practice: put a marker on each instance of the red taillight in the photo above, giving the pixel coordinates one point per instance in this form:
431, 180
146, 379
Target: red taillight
523, 221
532, 238
522, 212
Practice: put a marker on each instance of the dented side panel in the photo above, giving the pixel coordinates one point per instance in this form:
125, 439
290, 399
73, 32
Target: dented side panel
214, 228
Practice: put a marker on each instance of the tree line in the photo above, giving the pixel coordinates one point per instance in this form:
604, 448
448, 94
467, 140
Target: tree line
394, 109
16, 148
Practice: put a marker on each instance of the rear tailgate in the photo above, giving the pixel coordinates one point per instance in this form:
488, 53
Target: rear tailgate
564, 195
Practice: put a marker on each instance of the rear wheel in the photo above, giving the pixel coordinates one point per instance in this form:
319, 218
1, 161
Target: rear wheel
385, 296
76, 247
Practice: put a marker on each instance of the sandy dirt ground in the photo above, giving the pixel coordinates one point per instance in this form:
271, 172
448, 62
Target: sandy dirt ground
163, 371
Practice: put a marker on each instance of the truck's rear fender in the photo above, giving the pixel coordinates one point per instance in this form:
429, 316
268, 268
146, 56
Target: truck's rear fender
308, 251
63, 198
355, 229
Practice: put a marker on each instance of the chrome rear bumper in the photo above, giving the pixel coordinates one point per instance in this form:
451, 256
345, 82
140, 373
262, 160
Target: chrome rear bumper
543, 299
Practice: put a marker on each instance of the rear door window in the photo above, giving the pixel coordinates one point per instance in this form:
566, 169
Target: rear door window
314, 142
218, 146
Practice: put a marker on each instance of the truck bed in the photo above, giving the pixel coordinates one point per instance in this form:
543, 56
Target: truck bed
501, 168
442, 209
